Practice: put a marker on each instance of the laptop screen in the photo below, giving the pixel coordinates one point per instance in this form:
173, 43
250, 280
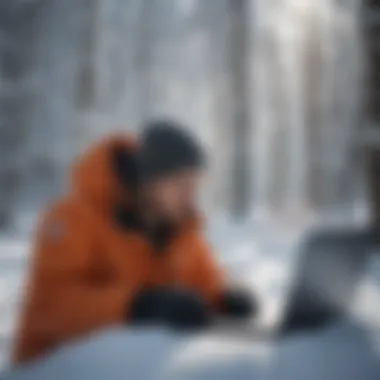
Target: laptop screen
330, 267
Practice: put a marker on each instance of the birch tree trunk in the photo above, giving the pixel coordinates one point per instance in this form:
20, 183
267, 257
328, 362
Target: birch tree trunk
371, 29
16, 31
239, 11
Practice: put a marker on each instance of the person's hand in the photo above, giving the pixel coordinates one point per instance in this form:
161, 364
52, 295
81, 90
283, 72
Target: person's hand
176, 308
238, 303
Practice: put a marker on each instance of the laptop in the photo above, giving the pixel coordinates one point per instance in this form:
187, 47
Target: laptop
331, 264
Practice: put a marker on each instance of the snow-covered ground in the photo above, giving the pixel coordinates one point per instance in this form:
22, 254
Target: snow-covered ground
262, 256
13, 264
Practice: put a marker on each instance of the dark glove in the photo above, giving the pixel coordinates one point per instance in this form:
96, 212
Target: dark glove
179, 309
238, 303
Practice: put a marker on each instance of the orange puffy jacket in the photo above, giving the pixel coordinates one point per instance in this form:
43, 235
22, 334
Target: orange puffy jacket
85, 272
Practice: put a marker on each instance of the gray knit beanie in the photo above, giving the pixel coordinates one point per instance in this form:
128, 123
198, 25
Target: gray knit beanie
166, 147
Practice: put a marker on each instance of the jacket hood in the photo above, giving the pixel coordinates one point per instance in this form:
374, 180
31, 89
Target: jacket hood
94, 176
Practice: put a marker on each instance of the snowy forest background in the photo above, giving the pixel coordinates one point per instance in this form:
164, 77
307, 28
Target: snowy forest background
274, 88
284, 93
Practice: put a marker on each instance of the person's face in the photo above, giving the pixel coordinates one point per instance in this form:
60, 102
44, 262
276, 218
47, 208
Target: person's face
173, 197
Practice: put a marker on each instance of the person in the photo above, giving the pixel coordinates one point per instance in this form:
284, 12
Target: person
125, 246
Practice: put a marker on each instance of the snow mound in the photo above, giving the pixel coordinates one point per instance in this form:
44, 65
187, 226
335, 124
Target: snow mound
139, 355
342, 351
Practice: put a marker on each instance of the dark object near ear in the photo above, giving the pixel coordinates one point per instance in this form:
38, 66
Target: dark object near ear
237, 303
178, 309
125, 166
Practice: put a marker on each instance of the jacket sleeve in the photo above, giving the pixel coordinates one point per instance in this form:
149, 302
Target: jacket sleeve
210, 278
64, 297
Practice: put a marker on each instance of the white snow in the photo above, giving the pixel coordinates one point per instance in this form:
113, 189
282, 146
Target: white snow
261, 257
